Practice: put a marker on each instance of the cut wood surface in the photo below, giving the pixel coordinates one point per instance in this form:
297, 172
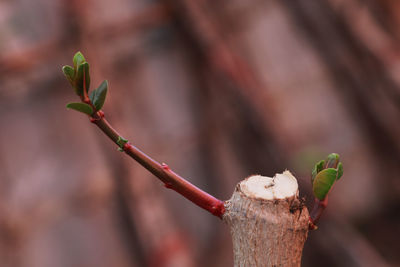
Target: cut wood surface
269, 223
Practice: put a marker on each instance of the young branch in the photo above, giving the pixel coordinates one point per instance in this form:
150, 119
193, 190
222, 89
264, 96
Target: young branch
79, 77
170, 179
318, 209
323, 176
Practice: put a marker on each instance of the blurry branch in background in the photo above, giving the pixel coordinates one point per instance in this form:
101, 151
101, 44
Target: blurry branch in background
343, 245
203, 29
234, 82
153, 16
361, 76
25, 59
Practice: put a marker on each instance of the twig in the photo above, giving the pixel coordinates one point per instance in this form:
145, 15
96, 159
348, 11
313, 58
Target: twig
318, 209
323, 176
170, 179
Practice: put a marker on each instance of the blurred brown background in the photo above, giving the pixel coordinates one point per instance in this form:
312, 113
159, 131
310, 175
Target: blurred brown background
218, 90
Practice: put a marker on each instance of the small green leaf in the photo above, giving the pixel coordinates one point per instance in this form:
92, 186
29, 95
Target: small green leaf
98, 96
339, 171
78, 60
121, 142
317, 168
332, 161
81, 107
81, 75
69, 73
323, 182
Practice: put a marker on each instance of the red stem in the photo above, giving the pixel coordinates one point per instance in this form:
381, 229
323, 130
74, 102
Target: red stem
163, 172
318, 209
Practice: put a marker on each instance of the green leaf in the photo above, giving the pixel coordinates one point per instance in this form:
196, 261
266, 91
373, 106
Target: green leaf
81, 76
323, 182
98, 96
317, 168
81, 107
339, 171
69, 73
78, 60
332, 161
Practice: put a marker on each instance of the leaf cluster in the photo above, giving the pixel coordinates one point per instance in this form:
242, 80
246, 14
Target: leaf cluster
324, 174
79, 78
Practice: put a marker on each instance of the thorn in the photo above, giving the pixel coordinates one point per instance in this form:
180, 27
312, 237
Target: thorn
168, 185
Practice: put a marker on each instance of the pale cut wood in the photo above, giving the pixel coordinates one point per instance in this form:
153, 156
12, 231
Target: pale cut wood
266, 232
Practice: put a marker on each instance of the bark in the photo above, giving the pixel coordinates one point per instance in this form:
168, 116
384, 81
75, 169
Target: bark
266, 232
